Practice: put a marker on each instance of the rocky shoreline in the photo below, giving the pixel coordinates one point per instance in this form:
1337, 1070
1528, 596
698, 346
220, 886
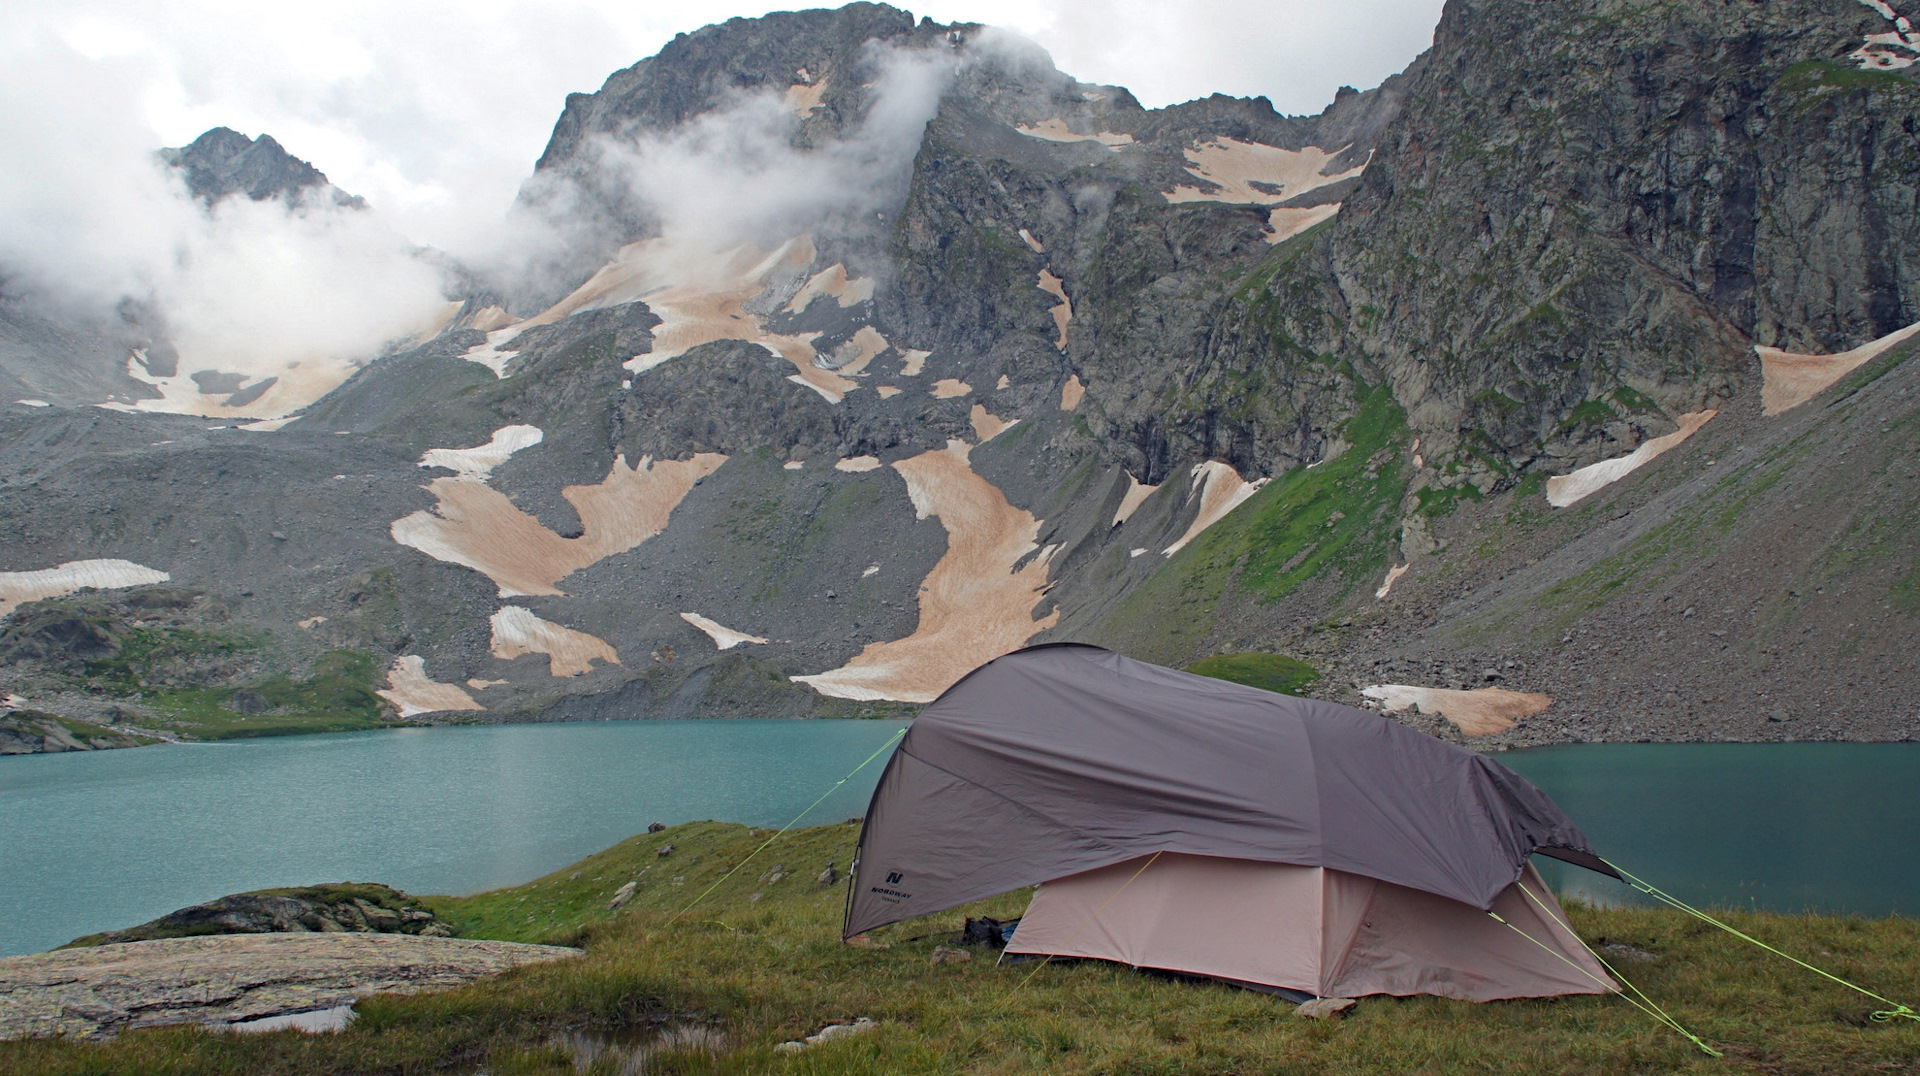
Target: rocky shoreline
232, 979
33, 732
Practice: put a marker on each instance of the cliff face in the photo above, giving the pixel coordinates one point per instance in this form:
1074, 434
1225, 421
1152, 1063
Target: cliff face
1615, 203
876, 349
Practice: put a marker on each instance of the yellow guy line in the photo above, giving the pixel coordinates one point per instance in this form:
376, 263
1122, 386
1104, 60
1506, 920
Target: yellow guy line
783, 829
1897, 1010
1644, 1004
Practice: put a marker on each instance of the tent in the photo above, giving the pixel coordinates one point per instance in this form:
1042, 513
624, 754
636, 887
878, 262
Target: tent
1188, 824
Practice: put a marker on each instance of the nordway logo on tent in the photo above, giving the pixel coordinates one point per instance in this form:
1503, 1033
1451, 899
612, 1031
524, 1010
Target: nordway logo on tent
891, 896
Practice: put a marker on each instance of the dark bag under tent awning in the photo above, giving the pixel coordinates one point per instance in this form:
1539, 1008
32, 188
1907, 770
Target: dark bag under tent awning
1064, 758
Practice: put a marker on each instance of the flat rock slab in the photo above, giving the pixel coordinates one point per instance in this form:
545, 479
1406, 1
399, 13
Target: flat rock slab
229, 978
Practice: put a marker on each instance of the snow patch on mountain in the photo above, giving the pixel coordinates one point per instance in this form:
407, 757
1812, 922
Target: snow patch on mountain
1890, 50
517, 631
1285, 222
19, 588
987, 425
478, 527
1481, 712
479, 462
724, 638
1055, 129
1063, 310
1251, 173
1790, 379
1568, 489
975, 605
1393, 576
833, 281
1220, 490
413, 692
1136, 495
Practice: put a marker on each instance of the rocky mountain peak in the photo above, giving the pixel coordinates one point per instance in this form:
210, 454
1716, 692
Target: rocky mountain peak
223, 162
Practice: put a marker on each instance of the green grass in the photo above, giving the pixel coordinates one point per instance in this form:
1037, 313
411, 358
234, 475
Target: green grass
1875, 370
1442, 500
1589, 413
1635, 402
337, 695
145, 652
1270, 672
762, 972
1812, 76
1334, 522
1904, 595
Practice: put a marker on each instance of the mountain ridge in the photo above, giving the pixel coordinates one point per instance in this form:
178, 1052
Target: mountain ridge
1188, 381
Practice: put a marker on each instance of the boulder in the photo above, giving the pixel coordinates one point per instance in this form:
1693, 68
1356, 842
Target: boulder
1324, 1008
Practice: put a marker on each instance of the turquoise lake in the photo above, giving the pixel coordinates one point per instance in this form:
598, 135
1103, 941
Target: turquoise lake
95, 841
99, 840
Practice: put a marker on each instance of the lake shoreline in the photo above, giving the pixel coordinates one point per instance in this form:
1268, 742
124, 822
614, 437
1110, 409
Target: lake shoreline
127, 836
90, 736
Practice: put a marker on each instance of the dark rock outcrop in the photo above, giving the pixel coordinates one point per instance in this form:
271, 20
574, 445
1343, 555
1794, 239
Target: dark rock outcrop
224, 162
31, 732
351, 907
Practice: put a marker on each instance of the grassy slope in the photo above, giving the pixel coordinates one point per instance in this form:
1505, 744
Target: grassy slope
1713, 526
337, 694
1334, 522
770, 970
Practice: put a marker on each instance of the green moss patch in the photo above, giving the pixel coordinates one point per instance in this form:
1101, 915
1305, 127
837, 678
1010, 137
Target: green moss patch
337, 695
1822, 76
1269, 672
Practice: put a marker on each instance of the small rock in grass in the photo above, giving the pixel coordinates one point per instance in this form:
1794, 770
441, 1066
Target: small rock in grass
621, 896
1324, 1008
656, 827
665, 851
829, 876
1622, 951
826, 1034
947, 954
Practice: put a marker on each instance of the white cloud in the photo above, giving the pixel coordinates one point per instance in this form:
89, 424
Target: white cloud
88, 213
732, 175
436, 112
1296, 53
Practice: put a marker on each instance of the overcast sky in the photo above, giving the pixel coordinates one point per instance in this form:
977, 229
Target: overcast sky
435, 112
